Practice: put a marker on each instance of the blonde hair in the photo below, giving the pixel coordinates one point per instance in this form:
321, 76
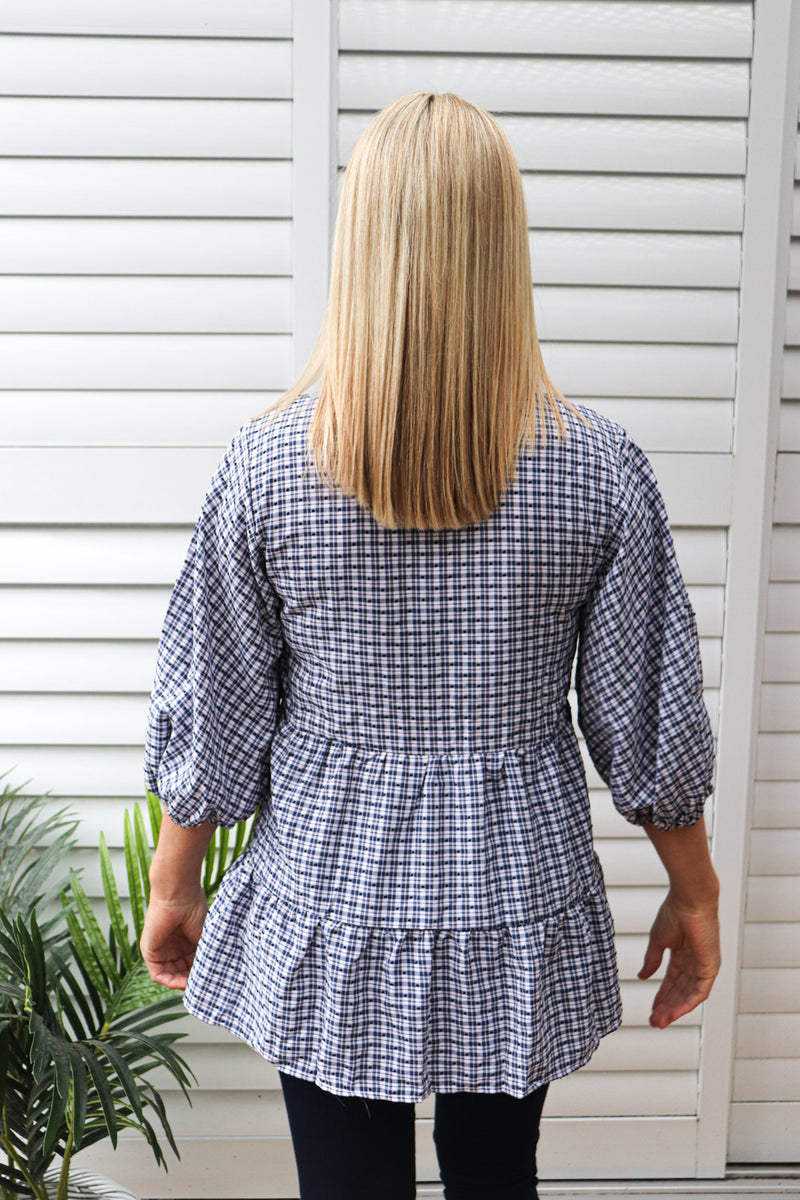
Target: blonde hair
430, 368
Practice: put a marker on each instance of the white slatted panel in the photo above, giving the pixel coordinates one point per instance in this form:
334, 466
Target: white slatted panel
765, 1112
168, 18
114, 361
149, 188
65, 126
205, 67
159, 246
633, 155
145, 310
139, 305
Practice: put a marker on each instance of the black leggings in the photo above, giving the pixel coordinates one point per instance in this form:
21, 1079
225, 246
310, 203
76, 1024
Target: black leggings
348, 1148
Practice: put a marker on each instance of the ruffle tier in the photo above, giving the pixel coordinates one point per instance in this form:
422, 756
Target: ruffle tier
397, 1014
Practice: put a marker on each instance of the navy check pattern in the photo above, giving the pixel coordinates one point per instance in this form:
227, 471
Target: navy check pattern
421, 908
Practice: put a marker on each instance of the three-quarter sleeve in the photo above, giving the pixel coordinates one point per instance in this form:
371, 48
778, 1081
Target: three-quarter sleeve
213, 707
639, 678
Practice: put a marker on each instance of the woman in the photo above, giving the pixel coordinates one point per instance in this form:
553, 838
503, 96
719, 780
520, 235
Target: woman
371, 641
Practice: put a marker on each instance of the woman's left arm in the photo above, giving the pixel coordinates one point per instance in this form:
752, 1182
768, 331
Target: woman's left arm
177, 907
215, 699
213, 708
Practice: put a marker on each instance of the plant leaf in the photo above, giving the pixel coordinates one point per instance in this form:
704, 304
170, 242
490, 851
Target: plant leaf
115, 913
31, 891
208, 862
224, 838
15, 990
136, 990
60, 1094
143, 851
29, 941
154, 810
5, 1052
157, 1102
94, 933
70, 995
96, 999
161, 1012
24, 866
69, 1015
87, 961
122, 1071
239, 839
102, 1090
162, 1055
80, 1096
135, 887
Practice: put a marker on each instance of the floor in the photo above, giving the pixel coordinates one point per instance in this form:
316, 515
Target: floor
755, 1183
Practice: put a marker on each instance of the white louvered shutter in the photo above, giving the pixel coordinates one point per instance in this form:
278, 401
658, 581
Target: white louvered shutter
765, 1108
151, 223
629, 124
145, 313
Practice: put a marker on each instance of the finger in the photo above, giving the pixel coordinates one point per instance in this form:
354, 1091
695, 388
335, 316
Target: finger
173, 974
676, 997
675, 989
171, 980
652, 960
679, 1006
661, 1017
172, 970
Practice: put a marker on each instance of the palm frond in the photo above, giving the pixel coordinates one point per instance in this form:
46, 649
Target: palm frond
133, 868
154, 811
101, 1091
93, 934
50, 1053
73, 1001
150, 1016
80, 1097
26, 869
143, 850
116, 916
137, 991
85, 956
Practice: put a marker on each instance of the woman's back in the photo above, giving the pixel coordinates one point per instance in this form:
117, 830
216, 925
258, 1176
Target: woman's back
371, 643
433, 641
396, 702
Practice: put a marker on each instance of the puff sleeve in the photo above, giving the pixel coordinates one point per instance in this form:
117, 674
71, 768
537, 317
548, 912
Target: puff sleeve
639, 679
214, 703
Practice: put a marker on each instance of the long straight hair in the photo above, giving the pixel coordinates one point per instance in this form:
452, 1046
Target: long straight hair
429, 365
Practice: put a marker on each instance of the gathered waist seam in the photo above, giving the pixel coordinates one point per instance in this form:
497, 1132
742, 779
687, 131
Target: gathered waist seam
561, 728
580, 896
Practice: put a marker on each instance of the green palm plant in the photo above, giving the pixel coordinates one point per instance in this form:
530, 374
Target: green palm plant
78, 1049
81, 1022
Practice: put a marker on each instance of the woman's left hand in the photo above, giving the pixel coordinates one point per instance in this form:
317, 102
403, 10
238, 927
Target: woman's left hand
172, 929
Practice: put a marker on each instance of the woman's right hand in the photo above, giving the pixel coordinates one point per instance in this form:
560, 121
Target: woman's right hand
171, 934
691, 934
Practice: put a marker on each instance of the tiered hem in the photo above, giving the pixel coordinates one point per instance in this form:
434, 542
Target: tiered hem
397, 1014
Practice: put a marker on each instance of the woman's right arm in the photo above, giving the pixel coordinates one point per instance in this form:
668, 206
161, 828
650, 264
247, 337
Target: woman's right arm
641, 708
687, 923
